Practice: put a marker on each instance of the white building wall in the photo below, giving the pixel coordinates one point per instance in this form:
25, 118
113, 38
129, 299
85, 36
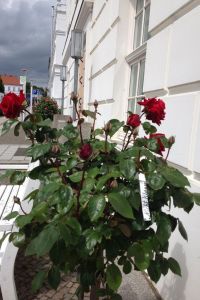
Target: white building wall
173, 73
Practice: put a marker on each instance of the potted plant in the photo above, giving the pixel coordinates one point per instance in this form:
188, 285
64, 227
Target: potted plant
100, 210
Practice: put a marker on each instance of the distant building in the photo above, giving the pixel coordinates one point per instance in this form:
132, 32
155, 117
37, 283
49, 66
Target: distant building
11, 83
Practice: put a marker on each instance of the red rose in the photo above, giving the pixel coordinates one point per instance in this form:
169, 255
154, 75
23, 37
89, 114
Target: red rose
85, 151
160, 146
11, 105
134, 120
154, 109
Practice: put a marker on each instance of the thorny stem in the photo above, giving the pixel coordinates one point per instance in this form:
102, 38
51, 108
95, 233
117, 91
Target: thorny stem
129, 138
93, 126
78, 114
106, 143
79, 191
26, 110
58, 170
167, 153
124, 140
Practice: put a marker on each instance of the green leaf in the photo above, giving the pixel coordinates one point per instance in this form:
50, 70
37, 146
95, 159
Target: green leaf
154, 271
12, 215
75, 225
18, 177
196, 198
16, 129
163, 229
38, 150
43, 243
182, 230
156, 181
65, 233
127, 268
174, 266
141, 256
65, 199
23, 220
45, 123
88, 184
115, 126
102, 180
39, 209
54, 277
88, 113
113, 277
7, 125
93, 172
18, 239
96, 207
128, 168
38, 281
70, 132
93, 237
76, 177
182, 198
148, 128
121, 205
71, 163
164, 266
175, 177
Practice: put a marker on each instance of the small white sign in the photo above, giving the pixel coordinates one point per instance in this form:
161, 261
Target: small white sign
144, 197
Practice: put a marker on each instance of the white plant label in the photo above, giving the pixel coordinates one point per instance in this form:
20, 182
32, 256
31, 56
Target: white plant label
144, 197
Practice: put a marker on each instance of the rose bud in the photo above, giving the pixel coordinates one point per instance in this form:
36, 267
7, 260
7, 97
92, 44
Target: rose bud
134, 120
55, 149
96, 103
171, 140
74, 97
69, 120
107, 127
85, 151
113, 184
16, 200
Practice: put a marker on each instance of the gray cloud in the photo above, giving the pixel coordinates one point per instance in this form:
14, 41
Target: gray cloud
25, 30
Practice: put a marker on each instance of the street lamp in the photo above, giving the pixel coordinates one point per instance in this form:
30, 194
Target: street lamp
63, 78
76, 53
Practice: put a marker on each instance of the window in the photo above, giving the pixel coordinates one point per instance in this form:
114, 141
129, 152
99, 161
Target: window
14, 89
141, 22
8, 88
136, 85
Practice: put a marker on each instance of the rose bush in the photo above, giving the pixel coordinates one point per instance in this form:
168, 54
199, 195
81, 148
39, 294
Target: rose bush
46, 107
88, 214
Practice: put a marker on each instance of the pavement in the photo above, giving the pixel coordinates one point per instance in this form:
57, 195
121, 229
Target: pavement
135, 286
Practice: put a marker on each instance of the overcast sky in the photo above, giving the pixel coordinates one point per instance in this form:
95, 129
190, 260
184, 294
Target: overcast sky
25, 34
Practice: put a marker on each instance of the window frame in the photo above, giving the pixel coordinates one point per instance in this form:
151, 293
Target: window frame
143, 12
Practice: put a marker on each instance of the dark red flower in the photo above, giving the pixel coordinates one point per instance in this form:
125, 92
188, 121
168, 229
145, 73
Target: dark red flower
160, 146
134, 120
85, 151
154, 109
11, 105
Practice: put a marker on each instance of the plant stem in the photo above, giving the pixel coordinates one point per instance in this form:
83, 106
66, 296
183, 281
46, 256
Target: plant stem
167, 154
128, 140
124, 140
80, 125
79, 191
64, 181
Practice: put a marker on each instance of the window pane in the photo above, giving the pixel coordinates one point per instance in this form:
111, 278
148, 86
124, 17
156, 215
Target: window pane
133, 81
140, 4
131, 105
138, 30
146, 23
141, 78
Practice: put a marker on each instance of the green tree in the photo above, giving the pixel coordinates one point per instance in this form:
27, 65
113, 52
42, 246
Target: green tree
2, 88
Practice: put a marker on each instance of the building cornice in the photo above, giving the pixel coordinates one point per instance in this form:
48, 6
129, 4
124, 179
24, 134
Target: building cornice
136, 54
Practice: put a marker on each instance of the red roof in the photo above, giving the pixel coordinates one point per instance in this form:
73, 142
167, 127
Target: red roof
10, 80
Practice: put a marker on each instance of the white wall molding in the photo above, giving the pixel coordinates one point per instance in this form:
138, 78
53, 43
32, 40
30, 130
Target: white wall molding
136, 54
105, 34
184, 88
99, 14
107, 66
175, 16
101, 102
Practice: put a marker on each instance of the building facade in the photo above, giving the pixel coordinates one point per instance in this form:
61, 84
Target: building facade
11, 84
134, 48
